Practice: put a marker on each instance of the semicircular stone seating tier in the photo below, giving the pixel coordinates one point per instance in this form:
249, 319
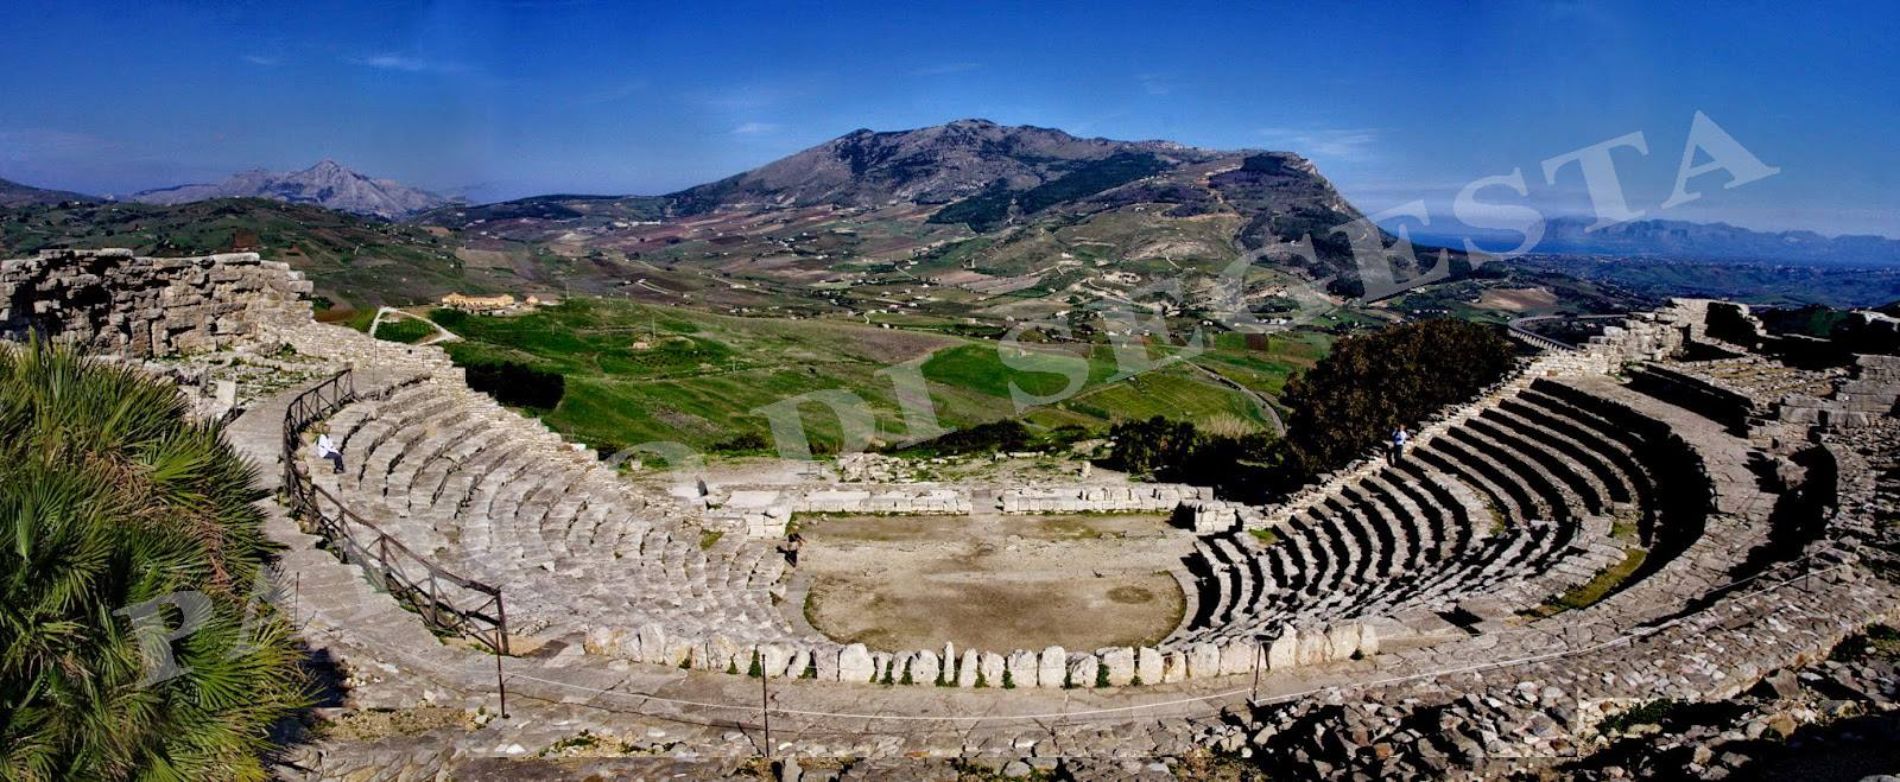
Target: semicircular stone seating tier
1512, 503
497, 497
1528, 494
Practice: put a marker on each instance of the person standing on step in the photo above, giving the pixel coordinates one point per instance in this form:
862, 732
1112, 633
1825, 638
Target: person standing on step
326, 449
1399, 438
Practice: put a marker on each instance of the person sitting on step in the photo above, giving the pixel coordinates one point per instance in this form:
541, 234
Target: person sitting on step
790, 547
326, 449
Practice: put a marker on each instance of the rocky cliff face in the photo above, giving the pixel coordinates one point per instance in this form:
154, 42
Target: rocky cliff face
327, 184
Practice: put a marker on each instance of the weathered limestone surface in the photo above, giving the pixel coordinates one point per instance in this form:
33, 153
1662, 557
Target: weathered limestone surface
114, 302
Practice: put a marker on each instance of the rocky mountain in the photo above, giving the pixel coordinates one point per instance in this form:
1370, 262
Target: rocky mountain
1164, 201
1678, 240
933, 165
14, 194
326, 184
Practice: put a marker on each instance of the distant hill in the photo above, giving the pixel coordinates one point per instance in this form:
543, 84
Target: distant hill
326, 184
933, 165
888, 195
14, 194
351, 259
1678, 240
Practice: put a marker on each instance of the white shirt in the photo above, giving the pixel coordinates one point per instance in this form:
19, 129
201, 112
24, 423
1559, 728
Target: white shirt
1399, 437
325, 447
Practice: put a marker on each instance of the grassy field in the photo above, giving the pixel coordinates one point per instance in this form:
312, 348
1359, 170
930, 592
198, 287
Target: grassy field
638, 373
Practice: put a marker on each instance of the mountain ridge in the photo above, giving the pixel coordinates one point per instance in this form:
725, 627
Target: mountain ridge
327, 184
1718, 241
14, 194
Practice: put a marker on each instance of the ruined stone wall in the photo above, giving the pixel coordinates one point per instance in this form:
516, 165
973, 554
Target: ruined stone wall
1145, 498
111, 301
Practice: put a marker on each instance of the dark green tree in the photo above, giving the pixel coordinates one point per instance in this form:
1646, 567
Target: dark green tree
1369, 384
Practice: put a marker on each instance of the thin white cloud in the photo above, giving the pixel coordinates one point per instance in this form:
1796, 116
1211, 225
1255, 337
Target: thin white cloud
945, 69
407, 64
264, 61
755, 129
1345, 144
1155, 83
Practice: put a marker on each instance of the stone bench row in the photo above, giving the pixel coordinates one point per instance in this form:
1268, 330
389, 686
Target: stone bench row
1355, 550
1051, 668
522, 510
896, 500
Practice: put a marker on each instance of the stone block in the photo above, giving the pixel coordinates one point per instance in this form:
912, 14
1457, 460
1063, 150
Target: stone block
653, 643
1174, 667
1021, 669
967, 669
992, 667
855, 664
1342, 641
1284, 652
1203, 661
1120, 663
1238, 657
1149, 665
1052, 667
924, 668
775, 659
1083, 670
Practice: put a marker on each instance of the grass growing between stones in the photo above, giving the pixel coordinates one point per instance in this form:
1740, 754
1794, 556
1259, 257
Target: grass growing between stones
1596, 589
1266, 537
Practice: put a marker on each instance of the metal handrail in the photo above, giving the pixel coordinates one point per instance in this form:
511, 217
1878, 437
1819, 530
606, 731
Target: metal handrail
412, 579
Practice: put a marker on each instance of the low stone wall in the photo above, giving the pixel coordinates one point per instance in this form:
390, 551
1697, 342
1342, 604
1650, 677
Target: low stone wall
1703, 395
1050, 668
885, 499
1213, 517
1147, 498
1859, 400
110, 301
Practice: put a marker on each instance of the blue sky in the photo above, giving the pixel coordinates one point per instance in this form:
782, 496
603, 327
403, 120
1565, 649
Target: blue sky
1394, 101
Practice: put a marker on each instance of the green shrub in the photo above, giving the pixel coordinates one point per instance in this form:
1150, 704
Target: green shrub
407, 331
111, 499
516, 384
744, 442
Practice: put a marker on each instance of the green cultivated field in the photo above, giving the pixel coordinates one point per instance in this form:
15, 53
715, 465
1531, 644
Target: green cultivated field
638, 373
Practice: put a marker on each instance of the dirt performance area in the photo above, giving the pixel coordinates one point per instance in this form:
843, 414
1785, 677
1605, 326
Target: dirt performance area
993, 582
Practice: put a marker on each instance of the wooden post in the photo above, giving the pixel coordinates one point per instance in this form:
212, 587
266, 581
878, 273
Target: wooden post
765, 707
501, 685
501, 644
1257, 654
